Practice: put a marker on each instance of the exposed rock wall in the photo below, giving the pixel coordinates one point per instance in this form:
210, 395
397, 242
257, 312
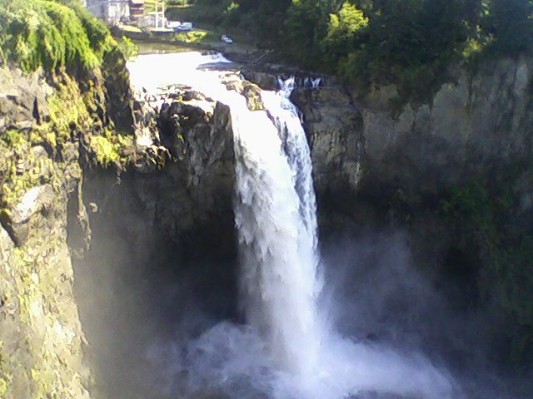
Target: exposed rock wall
187, 201
162, 219
334, 126
40, 334
480, 118
51, 128
455, 173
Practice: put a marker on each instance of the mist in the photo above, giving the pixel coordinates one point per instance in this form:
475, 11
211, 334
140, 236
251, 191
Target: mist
377, 293
169, 326
277, 316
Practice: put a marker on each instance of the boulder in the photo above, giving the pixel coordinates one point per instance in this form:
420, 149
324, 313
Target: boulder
22, 100
250, 91
33, 202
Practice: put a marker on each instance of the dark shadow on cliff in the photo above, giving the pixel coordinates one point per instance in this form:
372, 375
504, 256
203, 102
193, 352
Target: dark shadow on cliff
143, 292
376, 293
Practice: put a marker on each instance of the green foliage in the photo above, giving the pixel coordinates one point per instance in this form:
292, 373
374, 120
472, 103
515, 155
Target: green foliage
128, 47
109, 147
23, 171
14, 138
483, 220
212, 13
408, 43
509, 23
106, 152
306, 26
182, 3
195, 36
45, 33
343, 31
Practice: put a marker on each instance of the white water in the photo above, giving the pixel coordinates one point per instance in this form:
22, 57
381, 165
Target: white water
275, 218
288, 349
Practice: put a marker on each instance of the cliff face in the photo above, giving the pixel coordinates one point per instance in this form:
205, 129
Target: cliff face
83, 195
187, 198
456, 174
152, 227
481, 119
40, 332
51, 128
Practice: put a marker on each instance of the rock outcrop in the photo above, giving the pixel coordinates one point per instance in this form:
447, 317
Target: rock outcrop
334, 125
476, 120
52, 127
188, 200
22, 100
455, 173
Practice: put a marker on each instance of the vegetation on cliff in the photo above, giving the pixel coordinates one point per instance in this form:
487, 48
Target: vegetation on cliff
486, 244
65, 106
68, 46
52, 35
410, 43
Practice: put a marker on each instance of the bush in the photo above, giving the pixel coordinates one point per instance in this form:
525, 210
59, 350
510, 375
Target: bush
128, 47
44, 33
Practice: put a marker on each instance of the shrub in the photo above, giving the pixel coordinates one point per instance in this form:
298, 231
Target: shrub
44, 33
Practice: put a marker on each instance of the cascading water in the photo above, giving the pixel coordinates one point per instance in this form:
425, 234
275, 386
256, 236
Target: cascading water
287, 349
276, 221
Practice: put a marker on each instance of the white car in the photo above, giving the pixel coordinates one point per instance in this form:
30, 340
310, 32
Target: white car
226, 39
185, 26
179, 26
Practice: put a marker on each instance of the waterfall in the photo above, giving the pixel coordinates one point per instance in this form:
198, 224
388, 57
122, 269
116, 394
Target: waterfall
275, 214
276, 220
286, 350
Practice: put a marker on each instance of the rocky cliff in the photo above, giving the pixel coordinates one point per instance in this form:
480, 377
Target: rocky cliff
478, 120
76, 170
53, 126
455, 173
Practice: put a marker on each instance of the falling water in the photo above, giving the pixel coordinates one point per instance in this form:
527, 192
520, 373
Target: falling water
275, 217
287, 349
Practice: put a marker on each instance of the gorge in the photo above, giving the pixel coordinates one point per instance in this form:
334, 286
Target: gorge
159, 279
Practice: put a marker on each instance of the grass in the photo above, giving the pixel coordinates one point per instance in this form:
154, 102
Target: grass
197, 36
130, 29
207, 18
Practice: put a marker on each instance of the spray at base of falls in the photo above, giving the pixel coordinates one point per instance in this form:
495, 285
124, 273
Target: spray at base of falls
287, 349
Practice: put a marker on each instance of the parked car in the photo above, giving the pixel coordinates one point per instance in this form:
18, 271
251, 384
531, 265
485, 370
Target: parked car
226, 39
185, 26
178, 26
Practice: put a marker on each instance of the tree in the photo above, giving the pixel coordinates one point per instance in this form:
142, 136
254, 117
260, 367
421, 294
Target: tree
343, 30
510, 26
306, 25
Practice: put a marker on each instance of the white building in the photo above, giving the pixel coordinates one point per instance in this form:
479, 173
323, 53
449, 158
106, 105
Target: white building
112, 11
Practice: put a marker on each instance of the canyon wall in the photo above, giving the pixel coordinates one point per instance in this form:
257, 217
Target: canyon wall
456, 174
